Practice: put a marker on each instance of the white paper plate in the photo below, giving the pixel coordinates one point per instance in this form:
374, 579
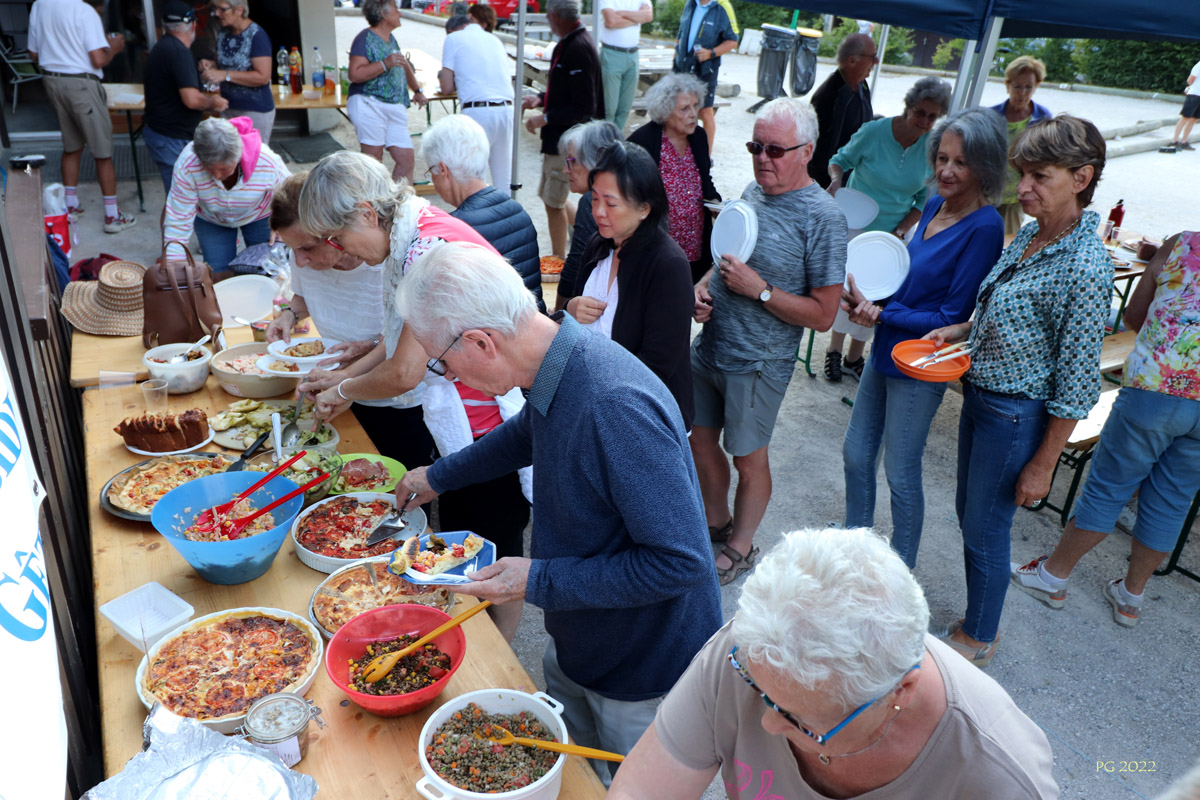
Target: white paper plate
860, 209
277, 348
735, 231
246, 296
879, 263
264, 362
197, 446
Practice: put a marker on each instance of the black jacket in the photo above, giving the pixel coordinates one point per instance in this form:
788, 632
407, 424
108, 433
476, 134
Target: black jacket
501, 220
840, 112
650, 136
574, 91
654, 308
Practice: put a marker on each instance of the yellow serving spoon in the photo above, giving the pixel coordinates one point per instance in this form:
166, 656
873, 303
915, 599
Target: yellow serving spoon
504, 736
381, 666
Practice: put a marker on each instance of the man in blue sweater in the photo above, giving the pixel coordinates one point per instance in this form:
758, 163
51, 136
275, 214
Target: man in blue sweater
620, 561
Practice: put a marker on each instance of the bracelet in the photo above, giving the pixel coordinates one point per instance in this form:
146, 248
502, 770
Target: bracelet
339, 390
375, 341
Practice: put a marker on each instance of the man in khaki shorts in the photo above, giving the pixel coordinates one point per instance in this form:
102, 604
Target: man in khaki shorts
573, 94
66, 39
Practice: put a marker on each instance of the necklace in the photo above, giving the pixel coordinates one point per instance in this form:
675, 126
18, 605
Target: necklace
970, 209
1064, 232
825, 759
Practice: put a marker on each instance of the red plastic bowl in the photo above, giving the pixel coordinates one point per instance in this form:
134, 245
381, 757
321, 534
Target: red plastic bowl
381, 624
904, 353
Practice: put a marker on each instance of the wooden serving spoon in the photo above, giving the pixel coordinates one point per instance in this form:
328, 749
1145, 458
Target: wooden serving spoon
381, 666
503, 736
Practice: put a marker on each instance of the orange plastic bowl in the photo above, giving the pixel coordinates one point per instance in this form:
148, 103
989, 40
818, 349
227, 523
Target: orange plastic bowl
381, 624
909, 351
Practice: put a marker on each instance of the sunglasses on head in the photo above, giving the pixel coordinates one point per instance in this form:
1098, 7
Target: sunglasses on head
772, 150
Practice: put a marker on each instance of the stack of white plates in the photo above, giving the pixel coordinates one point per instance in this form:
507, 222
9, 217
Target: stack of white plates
878, 261
735, 231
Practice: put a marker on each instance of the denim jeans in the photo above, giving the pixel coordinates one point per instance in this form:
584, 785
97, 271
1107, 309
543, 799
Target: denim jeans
997, 436
895, 414
165, 152
220, 243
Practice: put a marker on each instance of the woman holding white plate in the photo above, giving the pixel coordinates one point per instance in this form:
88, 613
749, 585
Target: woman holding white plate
957, 240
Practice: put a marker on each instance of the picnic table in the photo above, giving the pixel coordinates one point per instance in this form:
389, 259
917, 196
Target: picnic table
358, 755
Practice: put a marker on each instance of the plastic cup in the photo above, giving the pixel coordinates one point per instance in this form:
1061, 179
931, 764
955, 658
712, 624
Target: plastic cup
155, 394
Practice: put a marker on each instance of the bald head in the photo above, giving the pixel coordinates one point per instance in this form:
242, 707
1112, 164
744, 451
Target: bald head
856, 57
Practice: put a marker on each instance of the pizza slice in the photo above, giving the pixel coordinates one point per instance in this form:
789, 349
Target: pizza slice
441, 556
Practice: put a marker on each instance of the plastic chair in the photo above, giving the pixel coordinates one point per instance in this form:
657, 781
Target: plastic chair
21, 68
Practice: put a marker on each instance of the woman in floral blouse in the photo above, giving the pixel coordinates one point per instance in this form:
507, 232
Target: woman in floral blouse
1150, 443
1035, 369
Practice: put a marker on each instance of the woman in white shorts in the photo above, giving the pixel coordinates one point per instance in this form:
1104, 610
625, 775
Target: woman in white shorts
380, 80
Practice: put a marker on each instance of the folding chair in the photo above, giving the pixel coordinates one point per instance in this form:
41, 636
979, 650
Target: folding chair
21, 68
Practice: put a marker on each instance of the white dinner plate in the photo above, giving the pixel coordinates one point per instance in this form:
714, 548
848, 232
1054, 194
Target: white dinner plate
735, 231
277, 349
860, 209
879, 263
246, 296
196, 446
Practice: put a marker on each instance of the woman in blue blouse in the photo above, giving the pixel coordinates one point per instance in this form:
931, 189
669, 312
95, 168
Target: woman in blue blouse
958, 239
243, 66
1035, 365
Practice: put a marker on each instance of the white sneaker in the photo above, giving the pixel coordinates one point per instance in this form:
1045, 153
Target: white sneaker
1026, 578
1124, 614
118, 223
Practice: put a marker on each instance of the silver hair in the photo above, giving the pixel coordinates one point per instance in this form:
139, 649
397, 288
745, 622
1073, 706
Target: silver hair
932, 89
339, 184
457, 23
984, 145
373, 10
796, 111
458, 286
242, 4
566, 10
460, 143
216, 141
853, 45
590, 140
178, 27
835, 609
663, 95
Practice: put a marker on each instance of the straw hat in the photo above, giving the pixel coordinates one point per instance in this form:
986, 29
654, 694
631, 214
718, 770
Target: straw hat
110, 306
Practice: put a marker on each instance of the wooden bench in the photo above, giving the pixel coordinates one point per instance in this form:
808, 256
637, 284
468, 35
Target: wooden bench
1078, 452
1115, 350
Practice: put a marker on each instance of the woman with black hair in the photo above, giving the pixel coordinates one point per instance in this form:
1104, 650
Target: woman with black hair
635, 282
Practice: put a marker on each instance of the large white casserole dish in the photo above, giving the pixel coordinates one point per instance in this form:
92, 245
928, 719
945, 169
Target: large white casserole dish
231, 724
495, 701
321, 563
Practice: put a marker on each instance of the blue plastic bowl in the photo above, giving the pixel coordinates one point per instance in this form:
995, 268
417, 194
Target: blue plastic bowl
226, 562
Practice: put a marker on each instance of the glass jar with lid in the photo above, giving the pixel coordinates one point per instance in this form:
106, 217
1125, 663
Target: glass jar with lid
279, 723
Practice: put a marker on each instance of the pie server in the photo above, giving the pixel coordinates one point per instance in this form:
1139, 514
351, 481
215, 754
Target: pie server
390, 526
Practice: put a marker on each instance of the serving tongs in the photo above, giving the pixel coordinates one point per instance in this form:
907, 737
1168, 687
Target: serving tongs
208, 516
381, 666
239, 525
391, 525
936, 355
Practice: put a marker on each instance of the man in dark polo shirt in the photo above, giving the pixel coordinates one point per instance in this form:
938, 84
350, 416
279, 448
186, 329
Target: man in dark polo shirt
174, 101
842, 102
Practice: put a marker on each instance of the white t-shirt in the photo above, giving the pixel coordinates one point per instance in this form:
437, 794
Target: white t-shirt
620, 37
597, 286
1195, 73
62, 33
347, 305
482, 71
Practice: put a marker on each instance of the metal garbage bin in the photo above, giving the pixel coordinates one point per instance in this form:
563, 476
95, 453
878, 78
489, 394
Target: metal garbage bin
804, 61
777, 47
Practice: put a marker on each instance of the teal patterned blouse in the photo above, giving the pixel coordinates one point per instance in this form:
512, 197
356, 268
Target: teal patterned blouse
1038, 328
391, 86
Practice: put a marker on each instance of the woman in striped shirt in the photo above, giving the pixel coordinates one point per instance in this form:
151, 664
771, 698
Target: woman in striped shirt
224, 182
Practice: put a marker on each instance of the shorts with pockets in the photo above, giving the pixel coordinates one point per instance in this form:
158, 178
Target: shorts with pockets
555, 186
1191, 106
81, 106
745, 405
379, 124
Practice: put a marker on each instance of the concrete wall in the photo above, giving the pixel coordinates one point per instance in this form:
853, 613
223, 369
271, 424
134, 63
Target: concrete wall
317, 29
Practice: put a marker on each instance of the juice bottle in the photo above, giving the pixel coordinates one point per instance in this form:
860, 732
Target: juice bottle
295, 72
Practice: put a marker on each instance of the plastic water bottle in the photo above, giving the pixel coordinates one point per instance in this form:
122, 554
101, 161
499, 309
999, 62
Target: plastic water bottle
318, 70
281, 63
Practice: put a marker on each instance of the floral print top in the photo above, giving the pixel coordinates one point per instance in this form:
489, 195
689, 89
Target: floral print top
1166, 357
681, 179
392, 85
234, 53
1039, 323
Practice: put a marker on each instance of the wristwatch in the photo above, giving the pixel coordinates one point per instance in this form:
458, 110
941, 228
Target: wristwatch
227, 76
765, 294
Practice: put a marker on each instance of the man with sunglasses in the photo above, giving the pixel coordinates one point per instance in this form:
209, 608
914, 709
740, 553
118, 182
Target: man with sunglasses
843, 102
754, 313
826, 684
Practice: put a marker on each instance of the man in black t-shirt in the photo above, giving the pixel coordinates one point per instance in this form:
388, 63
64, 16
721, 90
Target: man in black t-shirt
842, 102
174, 102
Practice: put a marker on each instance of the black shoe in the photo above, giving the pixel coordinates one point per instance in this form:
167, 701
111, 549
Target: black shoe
833, 366
855, 368
1186, 146
1168, 149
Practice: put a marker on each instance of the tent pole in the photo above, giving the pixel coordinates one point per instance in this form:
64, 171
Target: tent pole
596, 22
518, 97
983, 66
828, 24
958, 99
881, 50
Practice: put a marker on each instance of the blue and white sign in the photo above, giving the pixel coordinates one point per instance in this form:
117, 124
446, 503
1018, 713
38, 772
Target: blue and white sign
34, 746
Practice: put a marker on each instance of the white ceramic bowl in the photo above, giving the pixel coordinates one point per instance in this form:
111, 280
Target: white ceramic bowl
417, 523
495, 701
240, 384
231, 724
182, 378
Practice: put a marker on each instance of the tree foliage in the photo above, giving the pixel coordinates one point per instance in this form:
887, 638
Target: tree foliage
1157, 66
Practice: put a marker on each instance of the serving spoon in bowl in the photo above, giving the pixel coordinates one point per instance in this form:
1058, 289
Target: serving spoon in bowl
179, 358
381, 666
503, 736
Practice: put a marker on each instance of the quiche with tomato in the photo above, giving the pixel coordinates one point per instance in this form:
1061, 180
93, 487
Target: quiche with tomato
339, 528
139, 488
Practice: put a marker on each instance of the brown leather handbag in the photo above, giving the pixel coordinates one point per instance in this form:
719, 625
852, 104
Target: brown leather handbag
178, 302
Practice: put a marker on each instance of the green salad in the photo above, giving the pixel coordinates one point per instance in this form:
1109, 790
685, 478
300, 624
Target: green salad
304, 470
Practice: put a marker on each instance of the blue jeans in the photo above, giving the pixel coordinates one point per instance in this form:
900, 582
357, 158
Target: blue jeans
220, 243
894, 413
997, 436
165, 152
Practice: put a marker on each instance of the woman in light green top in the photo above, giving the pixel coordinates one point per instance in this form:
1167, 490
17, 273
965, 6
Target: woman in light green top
1022, 77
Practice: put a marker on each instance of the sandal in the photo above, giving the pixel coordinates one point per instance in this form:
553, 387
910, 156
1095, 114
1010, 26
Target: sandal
979, 656
741, 563
721, 535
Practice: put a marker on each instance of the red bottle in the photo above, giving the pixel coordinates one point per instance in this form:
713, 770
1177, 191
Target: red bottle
295, 70
1117, 215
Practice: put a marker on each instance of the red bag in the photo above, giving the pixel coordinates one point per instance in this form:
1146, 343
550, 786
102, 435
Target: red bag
58, 226
88, 269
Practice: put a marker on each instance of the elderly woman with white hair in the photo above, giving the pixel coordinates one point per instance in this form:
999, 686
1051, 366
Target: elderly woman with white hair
457, 150
582, 146
223, 182
243, 66
826, 684
679, 146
